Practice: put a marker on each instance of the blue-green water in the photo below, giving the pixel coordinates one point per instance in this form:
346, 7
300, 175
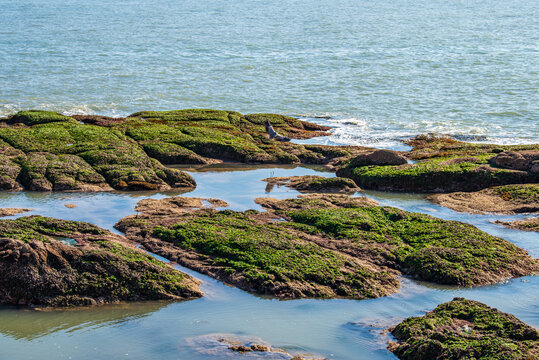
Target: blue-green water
382, 69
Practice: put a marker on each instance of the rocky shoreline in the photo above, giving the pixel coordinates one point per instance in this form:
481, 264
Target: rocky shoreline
320, 245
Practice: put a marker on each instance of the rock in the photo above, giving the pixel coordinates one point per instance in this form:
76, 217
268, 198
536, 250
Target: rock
379, 157
312, 183
508, 199
12, 211
327, 246
70, 206
510, 160
240, 348
464, 329
101, 268
446, 165
529, 224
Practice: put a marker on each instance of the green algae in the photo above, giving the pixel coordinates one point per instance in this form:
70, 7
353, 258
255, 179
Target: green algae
465, 329
33, 117
444, 165
271, 259
99, 269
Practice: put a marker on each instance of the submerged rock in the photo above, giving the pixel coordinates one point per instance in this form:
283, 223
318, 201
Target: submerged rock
39, 270
313, 183
328, 246
465, 329
230, 346
447, 165
508, 199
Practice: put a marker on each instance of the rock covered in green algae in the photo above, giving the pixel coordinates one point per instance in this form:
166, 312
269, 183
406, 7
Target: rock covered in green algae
47, 151
313, 183
507, 199
465, 329
328, 246
445, 165
38, 269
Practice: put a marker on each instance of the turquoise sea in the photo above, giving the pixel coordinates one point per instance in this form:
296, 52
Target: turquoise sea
378, 71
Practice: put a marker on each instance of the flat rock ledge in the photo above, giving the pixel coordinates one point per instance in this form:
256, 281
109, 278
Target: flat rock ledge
465, 329
12, 211
322, 246
313, 183
47, 262
508, 199
529, 224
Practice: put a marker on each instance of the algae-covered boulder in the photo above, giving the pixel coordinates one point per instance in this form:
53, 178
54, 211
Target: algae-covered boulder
322, 245
51, 262
76, 157
465, 329
445, 165
507, 199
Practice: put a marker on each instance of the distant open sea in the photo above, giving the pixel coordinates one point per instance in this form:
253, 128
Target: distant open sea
381, 70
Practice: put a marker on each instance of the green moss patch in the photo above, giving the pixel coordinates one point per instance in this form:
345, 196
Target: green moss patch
38, 270
465, 329
33, 117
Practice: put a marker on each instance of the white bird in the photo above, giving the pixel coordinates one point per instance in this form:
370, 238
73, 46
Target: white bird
273, 134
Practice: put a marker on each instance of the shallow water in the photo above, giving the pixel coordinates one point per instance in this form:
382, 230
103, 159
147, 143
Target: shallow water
337, 329
382, 69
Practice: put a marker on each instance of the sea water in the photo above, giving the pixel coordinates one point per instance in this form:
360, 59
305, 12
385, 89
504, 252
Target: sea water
381, 70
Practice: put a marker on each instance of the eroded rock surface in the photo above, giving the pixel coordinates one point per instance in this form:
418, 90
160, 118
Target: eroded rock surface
465, 329
323, 245
47, 262
529, 224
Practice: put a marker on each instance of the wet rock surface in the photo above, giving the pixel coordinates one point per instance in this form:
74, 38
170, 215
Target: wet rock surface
465, 329
447, 165
39, 269
508, 199
313, 183
328, 246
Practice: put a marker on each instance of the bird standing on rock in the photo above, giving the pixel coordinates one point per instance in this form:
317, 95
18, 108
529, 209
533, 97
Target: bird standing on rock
273, 134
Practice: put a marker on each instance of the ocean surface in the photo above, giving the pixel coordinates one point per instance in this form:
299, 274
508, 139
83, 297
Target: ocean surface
381, 70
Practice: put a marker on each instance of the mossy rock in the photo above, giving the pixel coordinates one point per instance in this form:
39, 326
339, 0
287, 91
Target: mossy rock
465, 329
34, 117
443, 165
38, 269
327, 246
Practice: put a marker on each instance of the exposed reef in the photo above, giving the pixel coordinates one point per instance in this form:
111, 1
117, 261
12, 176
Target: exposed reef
443, 164
313, 183
465, 329
47, 262
44, 151
323, 246
508, 199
